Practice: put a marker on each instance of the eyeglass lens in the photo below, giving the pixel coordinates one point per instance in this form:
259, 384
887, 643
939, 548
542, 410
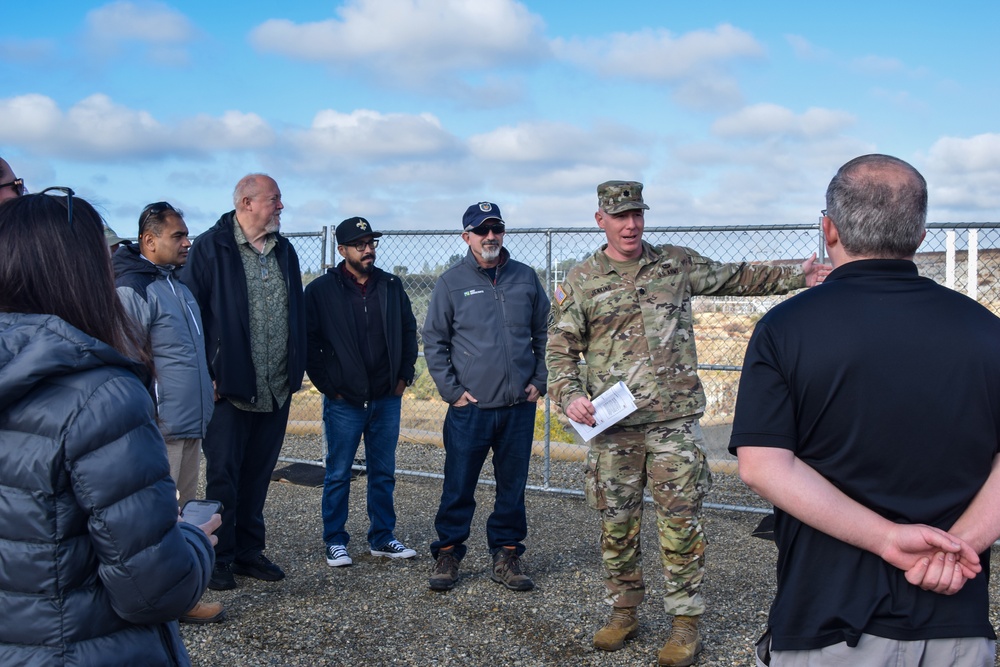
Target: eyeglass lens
484, 230
361, 245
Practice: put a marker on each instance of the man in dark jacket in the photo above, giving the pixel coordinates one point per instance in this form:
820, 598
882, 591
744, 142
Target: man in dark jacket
167, 312
362, 347
484, 341
246, 278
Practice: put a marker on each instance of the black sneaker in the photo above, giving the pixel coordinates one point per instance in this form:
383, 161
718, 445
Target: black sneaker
222, 577
507, 570
394, 549
444, 576
259, 568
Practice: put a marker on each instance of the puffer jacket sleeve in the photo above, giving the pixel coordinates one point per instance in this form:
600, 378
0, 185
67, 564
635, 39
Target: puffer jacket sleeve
153, 568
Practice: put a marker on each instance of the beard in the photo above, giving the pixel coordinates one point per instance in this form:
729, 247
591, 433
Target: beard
359, 265
273, 224
490, 252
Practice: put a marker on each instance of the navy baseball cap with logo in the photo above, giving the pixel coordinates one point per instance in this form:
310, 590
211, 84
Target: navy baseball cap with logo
354, 228
479, 213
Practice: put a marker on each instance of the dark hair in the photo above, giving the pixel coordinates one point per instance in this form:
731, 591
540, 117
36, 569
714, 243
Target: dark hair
51, 268
878, 203
154, 217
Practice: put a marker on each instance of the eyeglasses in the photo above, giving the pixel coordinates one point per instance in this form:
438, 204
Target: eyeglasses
484, 230
69, 200
151, 210
361, 245
17, 184
823, 212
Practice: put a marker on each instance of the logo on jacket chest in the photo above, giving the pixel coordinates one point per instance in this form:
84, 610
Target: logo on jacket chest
473, 292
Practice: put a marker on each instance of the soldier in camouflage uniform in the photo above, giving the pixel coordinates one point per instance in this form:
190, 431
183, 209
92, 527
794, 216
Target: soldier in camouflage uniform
627, 311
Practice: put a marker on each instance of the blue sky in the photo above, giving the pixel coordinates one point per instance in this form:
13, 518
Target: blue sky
407, 111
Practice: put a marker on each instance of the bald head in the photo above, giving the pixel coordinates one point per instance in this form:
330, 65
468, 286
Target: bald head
257, 200
878, 204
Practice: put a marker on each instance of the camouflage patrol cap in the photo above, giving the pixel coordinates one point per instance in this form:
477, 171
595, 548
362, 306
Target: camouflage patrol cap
617, 196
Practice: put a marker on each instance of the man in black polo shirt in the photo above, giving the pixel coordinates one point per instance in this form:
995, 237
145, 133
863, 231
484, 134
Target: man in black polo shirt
869, 415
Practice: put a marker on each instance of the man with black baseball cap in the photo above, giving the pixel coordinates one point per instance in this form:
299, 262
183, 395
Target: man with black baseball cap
484, 342
362, 342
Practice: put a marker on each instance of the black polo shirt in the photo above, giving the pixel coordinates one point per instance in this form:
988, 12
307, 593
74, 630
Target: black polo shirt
888, 385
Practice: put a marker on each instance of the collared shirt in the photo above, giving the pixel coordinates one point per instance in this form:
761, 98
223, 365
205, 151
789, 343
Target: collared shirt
267, 295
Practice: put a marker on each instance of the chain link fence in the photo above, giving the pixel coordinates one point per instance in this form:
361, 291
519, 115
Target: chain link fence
963, 256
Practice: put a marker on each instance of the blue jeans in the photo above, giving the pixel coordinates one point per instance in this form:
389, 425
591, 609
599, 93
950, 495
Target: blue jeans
345, 424
470, 433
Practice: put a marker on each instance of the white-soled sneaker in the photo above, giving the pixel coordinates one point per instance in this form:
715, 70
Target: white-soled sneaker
394, 549
336, 555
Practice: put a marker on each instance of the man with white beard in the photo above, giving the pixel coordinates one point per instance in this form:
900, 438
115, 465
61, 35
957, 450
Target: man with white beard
484, 342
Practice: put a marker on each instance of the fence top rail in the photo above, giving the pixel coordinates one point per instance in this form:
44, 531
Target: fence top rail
667, 230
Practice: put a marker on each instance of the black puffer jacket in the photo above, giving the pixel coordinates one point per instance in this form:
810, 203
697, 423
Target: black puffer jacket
93, 564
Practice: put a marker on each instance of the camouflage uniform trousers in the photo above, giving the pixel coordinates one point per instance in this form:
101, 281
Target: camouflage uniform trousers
670, 455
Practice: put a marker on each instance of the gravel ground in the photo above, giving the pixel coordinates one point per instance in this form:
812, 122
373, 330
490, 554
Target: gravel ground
380, 612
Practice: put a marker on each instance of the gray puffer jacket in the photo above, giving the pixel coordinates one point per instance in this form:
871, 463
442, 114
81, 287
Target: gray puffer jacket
168, 313
94, 566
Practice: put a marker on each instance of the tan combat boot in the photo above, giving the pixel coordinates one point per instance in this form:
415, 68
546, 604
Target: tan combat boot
623, 624
683, 645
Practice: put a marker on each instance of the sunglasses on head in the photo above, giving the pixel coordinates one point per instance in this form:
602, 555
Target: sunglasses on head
151, 210
68, 198
484, 230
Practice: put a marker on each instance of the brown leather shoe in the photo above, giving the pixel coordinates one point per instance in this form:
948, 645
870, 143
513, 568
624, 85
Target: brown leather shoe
683, 645
204, 612
623, 624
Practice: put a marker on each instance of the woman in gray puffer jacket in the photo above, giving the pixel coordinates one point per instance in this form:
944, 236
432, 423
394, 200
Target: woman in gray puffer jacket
94, 565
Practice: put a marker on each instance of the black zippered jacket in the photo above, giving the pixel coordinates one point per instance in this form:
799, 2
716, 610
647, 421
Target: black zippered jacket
214, 273
334, 361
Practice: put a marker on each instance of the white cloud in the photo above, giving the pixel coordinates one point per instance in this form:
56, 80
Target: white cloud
160, 29
763, 120
411, 42
97, 128
660, 57
363, 137
963, 177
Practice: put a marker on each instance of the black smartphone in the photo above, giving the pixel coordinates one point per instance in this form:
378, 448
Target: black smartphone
198, 512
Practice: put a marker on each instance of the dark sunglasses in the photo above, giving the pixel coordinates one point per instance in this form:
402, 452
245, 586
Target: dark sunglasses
17, 184
68, 192
151, 210
484, 230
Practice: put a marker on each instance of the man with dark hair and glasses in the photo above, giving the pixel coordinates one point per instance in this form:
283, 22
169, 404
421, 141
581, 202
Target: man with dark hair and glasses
10, 185
246, 278
362, 349
484, 341
169, 315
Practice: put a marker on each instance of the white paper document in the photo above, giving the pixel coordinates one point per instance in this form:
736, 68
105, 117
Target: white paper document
611, 407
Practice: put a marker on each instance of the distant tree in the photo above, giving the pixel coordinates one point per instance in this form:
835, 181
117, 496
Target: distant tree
400, 270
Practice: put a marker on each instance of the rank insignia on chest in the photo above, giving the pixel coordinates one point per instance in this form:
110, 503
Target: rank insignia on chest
559, 294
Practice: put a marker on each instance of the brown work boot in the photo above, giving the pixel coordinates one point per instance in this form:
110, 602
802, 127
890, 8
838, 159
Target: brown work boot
444, 576
507, 570
623, 624
683, 645
204, 612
